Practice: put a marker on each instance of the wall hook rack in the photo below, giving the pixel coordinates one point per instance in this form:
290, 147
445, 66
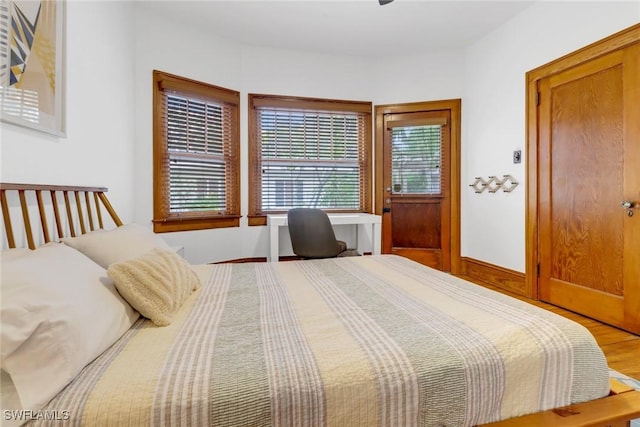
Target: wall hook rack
493, 184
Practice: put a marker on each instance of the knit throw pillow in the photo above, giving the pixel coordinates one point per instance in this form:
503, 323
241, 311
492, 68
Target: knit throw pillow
156, 284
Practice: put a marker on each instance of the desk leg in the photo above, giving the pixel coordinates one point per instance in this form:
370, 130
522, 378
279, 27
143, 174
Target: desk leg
273, 244
376, 237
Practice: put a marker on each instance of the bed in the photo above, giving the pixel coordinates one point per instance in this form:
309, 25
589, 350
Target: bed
354, 341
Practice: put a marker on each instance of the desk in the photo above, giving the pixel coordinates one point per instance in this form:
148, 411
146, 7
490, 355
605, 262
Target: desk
274, 222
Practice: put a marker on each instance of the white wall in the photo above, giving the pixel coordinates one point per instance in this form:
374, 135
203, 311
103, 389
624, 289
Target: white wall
422, 77
197, 54
98, 146
493, 113
112, 49
488, 76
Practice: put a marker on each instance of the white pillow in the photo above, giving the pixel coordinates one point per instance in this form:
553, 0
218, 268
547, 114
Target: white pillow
120, 244
59, 311
10, 254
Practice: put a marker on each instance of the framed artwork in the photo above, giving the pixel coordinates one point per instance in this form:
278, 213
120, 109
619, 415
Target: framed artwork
32, 44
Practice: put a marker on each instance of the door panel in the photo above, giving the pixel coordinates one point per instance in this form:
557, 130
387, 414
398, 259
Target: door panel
589, 162
416, 233
416, 180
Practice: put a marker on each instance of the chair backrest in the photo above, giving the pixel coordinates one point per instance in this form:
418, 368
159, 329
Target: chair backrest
311, 233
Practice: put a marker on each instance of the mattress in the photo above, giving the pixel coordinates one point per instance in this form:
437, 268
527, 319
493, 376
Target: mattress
362, 341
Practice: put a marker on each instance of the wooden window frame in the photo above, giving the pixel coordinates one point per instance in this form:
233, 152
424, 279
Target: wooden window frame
163, 220
258, 217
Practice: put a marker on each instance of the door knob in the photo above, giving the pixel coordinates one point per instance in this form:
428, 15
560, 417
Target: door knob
627, 204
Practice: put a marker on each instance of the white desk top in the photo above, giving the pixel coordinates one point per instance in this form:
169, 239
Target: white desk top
335, 218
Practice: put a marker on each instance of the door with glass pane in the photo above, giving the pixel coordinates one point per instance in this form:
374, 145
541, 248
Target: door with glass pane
416, 179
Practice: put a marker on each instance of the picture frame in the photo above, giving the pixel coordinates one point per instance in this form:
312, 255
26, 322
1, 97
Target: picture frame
32, 60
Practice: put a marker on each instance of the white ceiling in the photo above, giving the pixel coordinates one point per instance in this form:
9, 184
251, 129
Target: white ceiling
348, 27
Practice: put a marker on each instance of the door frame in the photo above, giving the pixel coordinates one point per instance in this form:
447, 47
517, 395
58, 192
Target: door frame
455, 108
607, 45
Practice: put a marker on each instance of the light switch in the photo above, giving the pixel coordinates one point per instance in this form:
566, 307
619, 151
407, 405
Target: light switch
517, 156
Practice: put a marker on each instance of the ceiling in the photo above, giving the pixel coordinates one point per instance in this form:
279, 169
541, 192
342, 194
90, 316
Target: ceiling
347, 27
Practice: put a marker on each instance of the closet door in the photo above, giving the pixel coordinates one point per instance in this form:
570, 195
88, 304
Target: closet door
589, 188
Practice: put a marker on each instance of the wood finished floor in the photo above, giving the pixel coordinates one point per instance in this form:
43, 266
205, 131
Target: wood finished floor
621, 348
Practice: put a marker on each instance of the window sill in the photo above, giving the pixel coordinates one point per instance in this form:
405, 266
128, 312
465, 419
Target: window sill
191, 224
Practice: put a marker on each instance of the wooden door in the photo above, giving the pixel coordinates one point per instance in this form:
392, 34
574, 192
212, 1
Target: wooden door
589, 165
416, 181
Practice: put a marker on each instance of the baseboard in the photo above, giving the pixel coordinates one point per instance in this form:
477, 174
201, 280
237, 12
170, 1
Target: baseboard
256, 259
503, 278
264, 259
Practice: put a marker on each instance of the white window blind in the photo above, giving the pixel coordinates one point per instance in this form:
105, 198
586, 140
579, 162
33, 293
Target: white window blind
311, 159
196, 153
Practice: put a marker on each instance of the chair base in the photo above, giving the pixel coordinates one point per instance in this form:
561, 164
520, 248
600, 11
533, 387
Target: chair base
349, 252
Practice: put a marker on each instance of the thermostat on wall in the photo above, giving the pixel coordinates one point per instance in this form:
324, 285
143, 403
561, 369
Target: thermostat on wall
517, 156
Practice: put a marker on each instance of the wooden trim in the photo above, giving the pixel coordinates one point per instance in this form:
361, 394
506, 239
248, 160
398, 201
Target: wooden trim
618, 388
363, 109
257, 220
298, 102
602, 47
503, 278
172, 82
264, 259
201, 223
616, 41
611, 411
163, 219
455, 108
23, 189
45, 187
241, 260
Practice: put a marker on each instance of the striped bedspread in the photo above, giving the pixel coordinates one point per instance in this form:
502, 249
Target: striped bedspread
365, 341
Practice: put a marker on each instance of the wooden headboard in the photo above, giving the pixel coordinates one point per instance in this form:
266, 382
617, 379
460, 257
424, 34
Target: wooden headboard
81, 208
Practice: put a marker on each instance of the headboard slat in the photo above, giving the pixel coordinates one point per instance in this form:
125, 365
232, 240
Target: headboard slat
56, 213
109, 208
67, 206
74, 215
87, 202
43, 217
96, 200
7, 219
25, 219
83, 230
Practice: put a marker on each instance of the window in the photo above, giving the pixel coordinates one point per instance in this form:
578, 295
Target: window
416, 155
196, 155
308, 153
